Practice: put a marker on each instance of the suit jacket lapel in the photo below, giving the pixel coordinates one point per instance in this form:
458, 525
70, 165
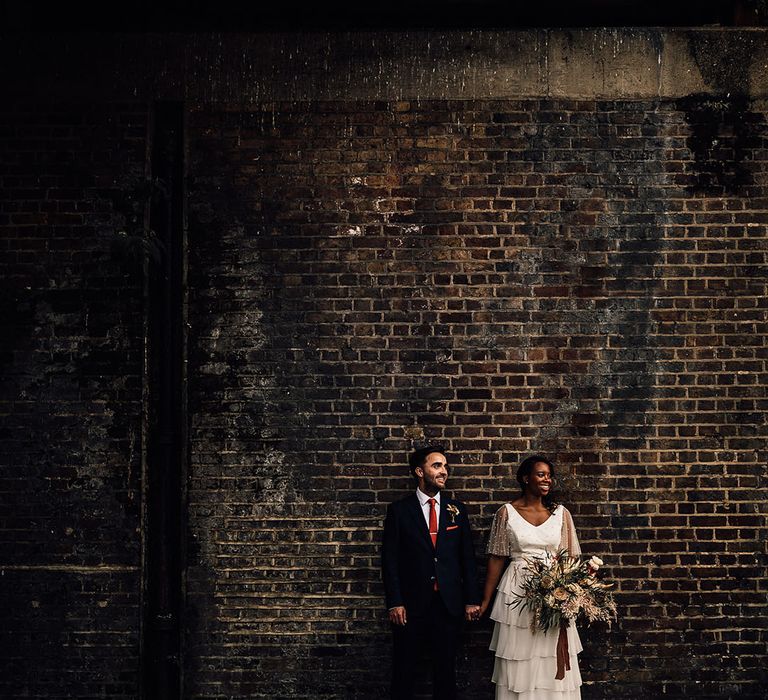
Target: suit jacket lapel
419, 522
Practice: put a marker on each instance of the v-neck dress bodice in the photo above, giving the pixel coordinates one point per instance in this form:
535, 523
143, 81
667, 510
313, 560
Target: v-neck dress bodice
527, 539
526, 661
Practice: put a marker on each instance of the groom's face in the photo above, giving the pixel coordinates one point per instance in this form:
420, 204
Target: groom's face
433, 474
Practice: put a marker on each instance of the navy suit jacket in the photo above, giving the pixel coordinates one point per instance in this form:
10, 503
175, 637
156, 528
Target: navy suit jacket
410, 564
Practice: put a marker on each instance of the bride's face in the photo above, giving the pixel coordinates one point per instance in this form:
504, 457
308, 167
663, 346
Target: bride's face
539, 481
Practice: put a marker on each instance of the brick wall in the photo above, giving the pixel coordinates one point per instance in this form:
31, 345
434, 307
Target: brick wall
70, 400
582, 278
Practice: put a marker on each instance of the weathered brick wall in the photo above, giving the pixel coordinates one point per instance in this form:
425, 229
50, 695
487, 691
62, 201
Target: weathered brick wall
70, 400
578, 277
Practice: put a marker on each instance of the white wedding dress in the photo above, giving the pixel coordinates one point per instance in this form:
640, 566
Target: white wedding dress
526, 663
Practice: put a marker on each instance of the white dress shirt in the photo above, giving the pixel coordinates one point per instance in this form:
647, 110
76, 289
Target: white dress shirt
424, 501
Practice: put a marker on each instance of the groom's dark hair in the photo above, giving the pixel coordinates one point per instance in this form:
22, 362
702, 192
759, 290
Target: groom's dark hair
417, 457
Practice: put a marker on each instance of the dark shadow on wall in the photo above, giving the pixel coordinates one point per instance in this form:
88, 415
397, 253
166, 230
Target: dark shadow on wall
230, 15
725, 133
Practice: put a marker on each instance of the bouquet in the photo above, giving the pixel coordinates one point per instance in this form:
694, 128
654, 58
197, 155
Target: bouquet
559, 588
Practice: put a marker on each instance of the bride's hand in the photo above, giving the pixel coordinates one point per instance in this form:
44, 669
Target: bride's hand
483, 607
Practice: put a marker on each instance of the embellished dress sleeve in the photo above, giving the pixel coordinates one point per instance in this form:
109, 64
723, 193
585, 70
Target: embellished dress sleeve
498, 542
568, 538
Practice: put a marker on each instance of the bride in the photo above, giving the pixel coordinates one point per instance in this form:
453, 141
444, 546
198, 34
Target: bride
526, 663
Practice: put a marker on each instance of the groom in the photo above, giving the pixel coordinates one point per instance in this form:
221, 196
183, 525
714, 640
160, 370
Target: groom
430, 577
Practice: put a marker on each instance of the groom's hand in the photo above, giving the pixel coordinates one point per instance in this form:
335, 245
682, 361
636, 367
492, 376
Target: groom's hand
472, 612
397, 616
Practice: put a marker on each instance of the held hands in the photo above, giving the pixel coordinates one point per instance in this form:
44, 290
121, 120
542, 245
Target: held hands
472, 612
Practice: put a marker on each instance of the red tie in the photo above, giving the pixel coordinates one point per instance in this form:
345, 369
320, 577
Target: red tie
432, 521
433, 529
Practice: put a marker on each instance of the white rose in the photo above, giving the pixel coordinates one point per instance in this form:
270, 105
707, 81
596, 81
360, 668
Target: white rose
595, 563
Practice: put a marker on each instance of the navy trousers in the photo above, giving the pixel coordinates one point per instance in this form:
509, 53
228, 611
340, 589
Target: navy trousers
434, 634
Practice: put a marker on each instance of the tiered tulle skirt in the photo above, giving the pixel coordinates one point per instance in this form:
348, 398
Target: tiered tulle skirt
526, 662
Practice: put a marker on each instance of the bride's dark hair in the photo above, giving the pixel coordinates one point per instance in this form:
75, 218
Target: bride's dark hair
526, 467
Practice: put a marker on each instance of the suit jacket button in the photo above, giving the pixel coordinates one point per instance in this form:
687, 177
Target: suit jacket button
435, 559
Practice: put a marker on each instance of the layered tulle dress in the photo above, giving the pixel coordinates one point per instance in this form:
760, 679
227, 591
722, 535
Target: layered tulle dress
526, 661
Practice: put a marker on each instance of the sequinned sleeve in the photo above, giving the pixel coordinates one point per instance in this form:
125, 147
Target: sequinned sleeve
498, 541
568, 538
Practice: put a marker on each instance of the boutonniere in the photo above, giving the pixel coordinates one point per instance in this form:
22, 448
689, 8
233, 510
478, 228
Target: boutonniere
453, 510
